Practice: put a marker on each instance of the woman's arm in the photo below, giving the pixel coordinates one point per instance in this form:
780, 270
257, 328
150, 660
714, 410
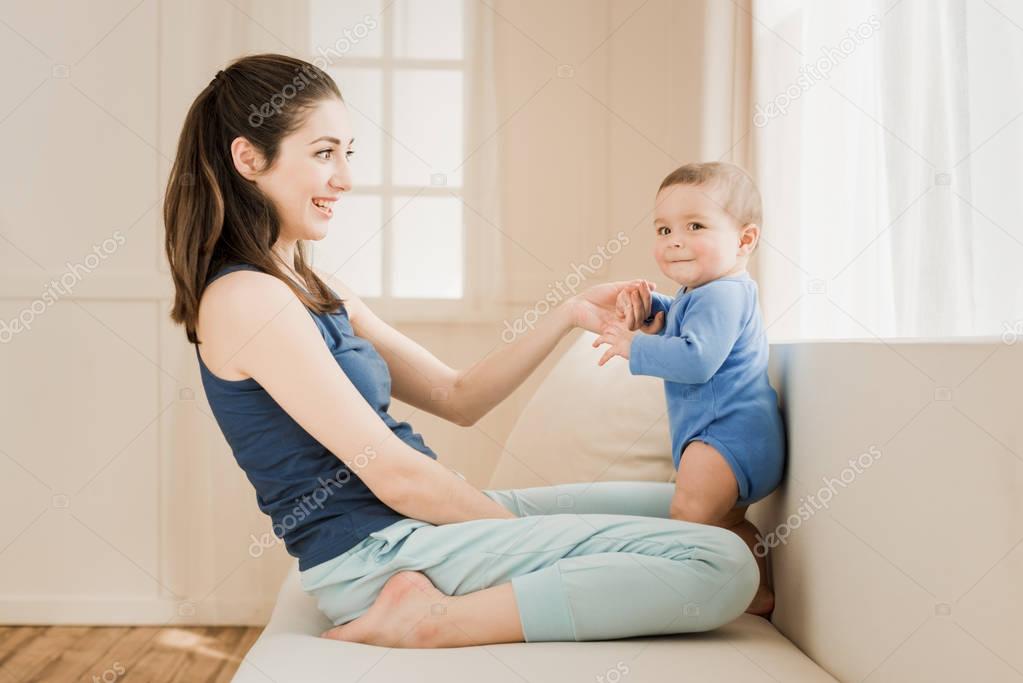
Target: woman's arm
464, 396
279, 345
493, 378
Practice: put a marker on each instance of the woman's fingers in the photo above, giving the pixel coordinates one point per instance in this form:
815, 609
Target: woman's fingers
645, 297
637, 306
622, 303
634, 303
620, 298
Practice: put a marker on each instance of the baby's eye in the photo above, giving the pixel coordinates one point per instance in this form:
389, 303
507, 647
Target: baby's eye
663, 230
696, 226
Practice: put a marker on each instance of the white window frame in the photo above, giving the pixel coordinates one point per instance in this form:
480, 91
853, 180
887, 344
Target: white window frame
480, 248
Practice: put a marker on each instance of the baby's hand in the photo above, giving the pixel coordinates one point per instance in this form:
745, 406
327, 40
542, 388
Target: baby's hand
619, 337
633, 305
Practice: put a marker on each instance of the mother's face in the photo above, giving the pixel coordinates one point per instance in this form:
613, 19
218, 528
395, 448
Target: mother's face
311, 171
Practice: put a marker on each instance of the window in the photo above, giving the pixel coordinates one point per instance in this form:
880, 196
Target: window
399, 235
889, 138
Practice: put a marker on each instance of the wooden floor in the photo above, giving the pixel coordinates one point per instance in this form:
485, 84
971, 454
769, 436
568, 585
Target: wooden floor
136, 654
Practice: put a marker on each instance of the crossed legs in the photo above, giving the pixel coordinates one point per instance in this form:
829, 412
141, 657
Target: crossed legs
565, 569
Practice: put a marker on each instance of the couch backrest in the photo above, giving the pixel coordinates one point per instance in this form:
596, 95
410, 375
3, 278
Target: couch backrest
896, 537
588, 423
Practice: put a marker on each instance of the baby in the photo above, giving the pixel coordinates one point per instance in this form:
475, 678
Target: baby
709, 346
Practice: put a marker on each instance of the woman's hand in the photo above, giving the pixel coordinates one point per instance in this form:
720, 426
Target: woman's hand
596, 308
633, 305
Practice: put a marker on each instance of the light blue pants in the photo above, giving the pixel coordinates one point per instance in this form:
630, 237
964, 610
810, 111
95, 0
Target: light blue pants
586, 562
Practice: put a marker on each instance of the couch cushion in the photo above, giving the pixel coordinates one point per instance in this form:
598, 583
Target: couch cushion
748, 649
578, 428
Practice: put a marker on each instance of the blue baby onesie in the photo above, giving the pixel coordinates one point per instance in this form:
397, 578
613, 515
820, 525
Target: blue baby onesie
712, 356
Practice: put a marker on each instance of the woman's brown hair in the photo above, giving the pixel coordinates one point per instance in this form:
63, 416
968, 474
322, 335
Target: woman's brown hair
212, 214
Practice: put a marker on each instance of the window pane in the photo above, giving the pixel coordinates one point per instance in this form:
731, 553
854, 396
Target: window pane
344, 29
353, 246
427, 248
361, 90
428, 30
427, 127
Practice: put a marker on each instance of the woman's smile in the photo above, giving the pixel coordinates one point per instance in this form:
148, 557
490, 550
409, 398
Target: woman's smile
324, 205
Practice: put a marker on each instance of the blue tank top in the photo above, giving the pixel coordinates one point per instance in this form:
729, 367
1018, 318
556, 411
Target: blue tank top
319, 507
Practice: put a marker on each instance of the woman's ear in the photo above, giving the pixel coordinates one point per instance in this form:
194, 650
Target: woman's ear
749, 235
247, 159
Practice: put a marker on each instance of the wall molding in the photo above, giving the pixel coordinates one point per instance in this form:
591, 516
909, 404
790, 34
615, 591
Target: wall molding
108, 286
66, 610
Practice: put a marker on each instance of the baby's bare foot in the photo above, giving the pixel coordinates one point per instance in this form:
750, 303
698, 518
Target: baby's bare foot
399, 617
763, 603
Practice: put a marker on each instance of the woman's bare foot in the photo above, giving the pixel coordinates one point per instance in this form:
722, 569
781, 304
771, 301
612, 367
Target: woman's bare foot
400, 616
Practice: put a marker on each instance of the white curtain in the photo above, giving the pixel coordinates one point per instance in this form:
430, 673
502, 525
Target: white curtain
887, 146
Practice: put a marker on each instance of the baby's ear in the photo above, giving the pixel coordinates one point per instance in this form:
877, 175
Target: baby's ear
749, 237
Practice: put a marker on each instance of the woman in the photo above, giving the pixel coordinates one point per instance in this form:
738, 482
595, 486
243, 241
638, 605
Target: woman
398, 549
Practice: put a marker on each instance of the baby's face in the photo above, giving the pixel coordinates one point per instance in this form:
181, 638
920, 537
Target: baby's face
696, 239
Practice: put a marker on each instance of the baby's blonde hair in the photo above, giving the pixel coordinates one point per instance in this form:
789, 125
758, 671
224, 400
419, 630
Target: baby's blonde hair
741, 196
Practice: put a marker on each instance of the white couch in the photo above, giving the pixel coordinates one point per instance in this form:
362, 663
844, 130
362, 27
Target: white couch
891, 581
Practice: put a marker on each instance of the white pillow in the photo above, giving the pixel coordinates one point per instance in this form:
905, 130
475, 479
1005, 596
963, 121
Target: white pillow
587, 423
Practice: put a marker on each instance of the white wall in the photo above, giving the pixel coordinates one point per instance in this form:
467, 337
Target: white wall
86, 386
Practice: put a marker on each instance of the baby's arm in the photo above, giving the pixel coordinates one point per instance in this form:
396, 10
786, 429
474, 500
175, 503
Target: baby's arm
659, 303
709, 328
